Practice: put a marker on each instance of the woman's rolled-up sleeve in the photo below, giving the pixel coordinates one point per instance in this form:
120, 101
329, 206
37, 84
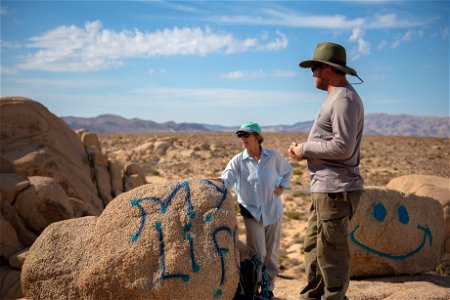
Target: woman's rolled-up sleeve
231, 173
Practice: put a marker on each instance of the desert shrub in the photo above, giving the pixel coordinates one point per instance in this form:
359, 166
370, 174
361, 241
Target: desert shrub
283, 261
295, 164
297, 194
213, 175
297, 171
293, 215
296, 181
288, 198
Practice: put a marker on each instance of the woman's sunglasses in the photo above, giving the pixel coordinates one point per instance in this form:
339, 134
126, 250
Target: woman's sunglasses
243, 135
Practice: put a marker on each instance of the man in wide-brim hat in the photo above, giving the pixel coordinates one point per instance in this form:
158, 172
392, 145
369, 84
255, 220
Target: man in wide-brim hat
332, 151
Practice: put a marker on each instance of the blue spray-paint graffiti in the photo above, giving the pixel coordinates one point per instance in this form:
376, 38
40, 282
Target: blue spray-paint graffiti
379, 213
165, 275
187, 229
403, 215
221, 251
137, 203
164, 204
223, 192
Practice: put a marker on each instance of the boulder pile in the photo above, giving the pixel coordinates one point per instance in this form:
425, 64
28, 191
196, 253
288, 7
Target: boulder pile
48, 173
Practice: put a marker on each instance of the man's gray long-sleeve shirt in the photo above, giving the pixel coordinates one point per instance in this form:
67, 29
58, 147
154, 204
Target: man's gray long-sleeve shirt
333, 145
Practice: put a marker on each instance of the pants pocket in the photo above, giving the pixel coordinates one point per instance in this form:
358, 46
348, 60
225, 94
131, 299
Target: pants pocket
331, 206
334, 232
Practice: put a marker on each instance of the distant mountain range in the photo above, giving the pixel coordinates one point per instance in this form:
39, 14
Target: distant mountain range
375, 124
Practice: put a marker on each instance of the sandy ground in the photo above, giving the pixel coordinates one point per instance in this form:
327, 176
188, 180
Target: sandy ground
420, 287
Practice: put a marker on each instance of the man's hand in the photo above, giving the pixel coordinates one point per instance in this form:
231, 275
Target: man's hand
278, 190
295, 151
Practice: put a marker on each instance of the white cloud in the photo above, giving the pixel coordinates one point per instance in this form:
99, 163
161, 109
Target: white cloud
389, 21
233, 75
284, 74
174, 6
240, 74
445, 33
280, 43
71, 48
279, 16
153, 72
7, 70
382, 44
291, 19
357, 34
403, 39
363, 46
3, 10
243, 74
9, 45
52, 83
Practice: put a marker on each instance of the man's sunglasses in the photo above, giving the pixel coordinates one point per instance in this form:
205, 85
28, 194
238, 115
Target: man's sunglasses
315, 67
243, 135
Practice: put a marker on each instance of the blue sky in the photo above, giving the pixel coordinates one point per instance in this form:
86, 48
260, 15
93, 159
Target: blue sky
221, 62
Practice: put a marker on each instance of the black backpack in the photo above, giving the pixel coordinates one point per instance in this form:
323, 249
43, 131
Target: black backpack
253, 282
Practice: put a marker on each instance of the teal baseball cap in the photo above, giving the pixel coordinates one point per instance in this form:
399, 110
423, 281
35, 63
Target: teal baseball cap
250, 127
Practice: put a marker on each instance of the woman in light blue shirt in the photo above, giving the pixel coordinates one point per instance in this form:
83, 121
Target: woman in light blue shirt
260, 176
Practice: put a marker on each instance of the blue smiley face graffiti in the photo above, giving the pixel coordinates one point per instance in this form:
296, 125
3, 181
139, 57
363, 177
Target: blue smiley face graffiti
379, 213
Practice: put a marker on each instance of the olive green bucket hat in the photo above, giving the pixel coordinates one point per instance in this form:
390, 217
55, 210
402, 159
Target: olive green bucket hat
331, 54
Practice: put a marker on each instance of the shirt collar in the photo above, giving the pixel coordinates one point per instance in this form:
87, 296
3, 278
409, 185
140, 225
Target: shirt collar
264, 152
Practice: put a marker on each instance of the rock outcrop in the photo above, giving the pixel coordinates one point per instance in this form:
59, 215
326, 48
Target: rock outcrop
392, 233
48, 173
170, 241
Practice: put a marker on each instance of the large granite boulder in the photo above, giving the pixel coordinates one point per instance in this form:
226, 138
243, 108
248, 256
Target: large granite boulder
11, 184
133, 176
392, 233
38, 143
9, 283
43, 203
170, 241
9, 242
430, 186
423, 185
